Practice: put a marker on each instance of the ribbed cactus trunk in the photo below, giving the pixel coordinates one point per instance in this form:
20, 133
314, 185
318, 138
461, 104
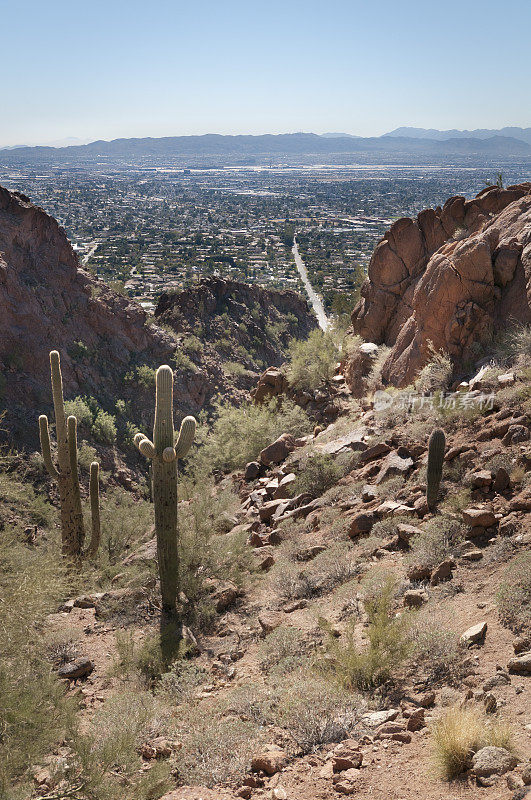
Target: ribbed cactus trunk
164, 452
165, 491
66, 472
436, 447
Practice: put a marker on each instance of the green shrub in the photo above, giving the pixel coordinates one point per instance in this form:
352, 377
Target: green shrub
104, 428
35, 714
143, 376
78, 407
124, 521
239, 434
317, 473
514, 595
313, 361
366, 667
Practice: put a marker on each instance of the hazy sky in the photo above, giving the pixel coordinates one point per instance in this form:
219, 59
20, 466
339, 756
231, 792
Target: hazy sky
104, 69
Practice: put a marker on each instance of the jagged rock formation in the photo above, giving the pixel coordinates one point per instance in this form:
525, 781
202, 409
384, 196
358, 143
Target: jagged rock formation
449, 277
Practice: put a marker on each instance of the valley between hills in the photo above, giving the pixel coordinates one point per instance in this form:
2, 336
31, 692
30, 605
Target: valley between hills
310, 575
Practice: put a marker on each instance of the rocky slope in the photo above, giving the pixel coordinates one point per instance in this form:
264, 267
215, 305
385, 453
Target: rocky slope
449, 277
47, 302
233, 330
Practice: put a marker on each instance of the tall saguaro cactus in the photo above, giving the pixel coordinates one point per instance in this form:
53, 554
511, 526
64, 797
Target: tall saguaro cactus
66, 472
436, 447
164, 452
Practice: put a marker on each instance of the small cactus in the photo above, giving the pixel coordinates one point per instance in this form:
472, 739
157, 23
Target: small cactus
436, 448
66, 472
164, 452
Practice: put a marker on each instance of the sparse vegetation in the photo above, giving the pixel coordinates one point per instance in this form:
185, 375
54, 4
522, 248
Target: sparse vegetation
460, 732
366, 665
313, 361
239, 434
514, 595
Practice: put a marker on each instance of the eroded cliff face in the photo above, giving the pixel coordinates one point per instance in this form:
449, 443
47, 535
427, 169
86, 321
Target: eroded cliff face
447, 279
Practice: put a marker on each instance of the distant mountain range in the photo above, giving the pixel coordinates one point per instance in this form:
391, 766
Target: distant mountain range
213, 149
524, 134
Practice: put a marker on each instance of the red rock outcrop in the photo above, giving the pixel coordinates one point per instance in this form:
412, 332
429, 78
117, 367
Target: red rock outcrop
448, 278
47, 302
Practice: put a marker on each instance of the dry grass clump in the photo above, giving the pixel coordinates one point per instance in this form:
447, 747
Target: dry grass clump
514, 595
282, 651
215, 750
462, 731
317, 473
436, 374
336, 565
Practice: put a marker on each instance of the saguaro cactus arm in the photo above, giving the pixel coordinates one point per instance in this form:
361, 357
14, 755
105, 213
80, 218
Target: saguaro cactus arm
186, 437
44, 435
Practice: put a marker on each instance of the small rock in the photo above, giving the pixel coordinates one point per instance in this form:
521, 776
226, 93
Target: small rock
520, 665
481, 478
526, 775
362, 523
418, 573
79, 668
514, 781
414, 598
500, 679
493, 761
491, 704
478, 517
475, 635
252, 471
416, 720
269, 620
501, 481
377, 718
270, 761
442, 572
346, 756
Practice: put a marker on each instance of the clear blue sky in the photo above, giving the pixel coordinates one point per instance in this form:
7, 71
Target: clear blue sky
93, 69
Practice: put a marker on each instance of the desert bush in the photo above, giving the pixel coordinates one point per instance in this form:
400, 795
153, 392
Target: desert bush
514, 595
336, 565
367, 666
313, 361
79, 407
124, 521
215, 750
282, 650
316, 713
437, 651
35, 714
143, 376
439, 539
374, 379
459, 733
239, 434
436, 374
513, 346
317, 473
19, 499
107, 755
104, 428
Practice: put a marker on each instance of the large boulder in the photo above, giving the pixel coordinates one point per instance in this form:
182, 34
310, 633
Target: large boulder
447, 279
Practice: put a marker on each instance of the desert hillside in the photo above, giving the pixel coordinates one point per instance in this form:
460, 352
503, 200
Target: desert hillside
352, 585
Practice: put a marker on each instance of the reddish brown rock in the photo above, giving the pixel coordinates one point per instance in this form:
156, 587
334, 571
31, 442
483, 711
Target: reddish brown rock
425, 288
